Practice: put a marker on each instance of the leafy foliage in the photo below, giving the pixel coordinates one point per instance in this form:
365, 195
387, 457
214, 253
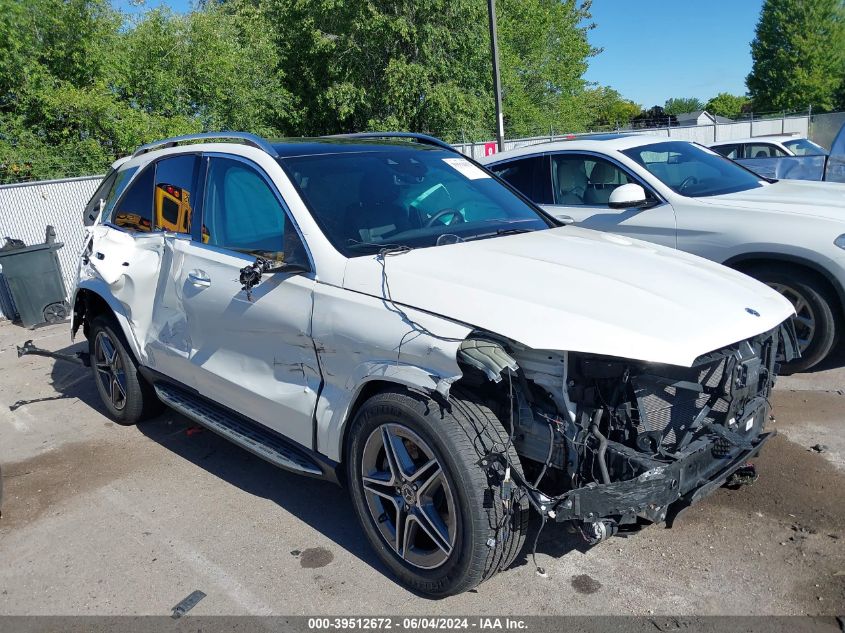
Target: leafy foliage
682, 105
798, 55
655, 116
727, 105
81, 83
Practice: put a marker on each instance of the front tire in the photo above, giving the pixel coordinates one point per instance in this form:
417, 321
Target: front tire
128, 398
815, 322
428, 492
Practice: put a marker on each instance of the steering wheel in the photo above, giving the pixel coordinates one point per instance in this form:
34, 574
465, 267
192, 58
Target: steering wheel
443, 213
689, 180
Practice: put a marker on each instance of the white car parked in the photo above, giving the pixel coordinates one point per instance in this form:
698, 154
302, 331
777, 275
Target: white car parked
788, 234
381, 311
771, 146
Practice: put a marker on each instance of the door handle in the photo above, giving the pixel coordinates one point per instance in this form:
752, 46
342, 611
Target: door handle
565, 219
199, 279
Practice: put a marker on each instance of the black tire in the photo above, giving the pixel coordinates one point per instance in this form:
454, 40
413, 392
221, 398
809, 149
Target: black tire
139, 400
461, 435
820, 302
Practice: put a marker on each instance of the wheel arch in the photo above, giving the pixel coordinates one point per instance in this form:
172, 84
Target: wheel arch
747, 261
89, 301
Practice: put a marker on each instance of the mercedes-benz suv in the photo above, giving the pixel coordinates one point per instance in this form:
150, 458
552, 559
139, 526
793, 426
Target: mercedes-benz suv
380, 311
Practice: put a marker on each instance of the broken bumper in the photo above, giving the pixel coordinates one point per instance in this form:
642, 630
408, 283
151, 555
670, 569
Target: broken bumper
662, 493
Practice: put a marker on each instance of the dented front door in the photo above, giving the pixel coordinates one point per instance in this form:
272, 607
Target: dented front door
254, 356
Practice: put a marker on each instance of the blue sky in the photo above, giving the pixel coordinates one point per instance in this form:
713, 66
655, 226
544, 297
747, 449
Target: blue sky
652, 50
673, 48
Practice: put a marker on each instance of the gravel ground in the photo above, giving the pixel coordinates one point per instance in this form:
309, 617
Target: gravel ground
103, 519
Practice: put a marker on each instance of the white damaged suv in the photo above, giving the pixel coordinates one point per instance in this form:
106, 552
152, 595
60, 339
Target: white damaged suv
380, 311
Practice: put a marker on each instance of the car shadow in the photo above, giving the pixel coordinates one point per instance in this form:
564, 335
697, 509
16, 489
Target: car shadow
333, 516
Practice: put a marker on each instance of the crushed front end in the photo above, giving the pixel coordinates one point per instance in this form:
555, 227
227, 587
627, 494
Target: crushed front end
608, 442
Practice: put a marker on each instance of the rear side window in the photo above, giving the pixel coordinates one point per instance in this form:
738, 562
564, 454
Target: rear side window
175, 180
531, 176
134, 212
107, 193
728, 151
763, 150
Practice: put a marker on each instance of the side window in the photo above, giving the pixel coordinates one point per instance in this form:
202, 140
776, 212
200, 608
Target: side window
531, 176
241, 213
134, 212
174, 188
728, 151
763, 150
585, 180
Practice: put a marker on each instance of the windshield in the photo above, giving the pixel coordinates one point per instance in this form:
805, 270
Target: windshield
691, 170
405, 197
804, 147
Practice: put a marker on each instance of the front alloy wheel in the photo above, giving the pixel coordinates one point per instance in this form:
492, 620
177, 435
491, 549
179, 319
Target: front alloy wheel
409, 496
816, 323
427, 492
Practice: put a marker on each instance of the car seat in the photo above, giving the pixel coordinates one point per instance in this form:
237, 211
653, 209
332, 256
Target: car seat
376, 215
571, 181
603, 180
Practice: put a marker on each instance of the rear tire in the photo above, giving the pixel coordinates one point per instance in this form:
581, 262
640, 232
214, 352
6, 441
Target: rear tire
816, 323
476, 536
128, 398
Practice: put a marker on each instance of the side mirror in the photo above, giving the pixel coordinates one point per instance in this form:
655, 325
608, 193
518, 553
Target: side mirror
627, 197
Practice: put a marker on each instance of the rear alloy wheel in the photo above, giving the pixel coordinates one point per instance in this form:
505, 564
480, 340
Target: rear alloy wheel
127, 397
427, 489
815, 322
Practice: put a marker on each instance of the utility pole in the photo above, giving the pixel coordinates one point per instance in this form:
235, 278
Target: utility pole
497, 82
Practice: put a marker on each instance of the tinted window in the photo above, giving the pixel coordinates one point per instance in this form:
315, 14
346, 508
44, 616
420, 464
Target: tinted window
531, 176
241, 212
134, 212
728, 151
108, 192
585, 180
174, 189
691, 170
398, 196
763, 150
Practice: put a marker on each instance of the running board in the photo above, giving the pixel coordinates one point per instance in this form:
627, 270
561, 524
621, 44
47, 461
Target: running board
246, 434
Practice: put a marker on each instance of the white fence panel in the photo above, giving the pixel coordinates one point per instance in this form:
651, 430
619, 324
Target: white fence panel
27, 208
704, 134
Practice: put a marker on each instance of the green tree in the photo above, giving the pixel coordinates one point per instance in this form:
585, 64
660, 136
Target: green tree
81, 85
609, 108
682, 105
544, 54
727, 105
798, 55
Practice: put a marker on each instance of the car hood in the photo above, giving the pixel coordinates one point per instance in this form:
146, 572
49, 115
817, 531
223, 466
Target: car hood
572, 289
800, 197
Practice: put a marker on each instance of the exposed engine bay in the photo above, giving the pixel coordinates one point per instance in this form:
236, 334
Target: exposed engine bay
609, 442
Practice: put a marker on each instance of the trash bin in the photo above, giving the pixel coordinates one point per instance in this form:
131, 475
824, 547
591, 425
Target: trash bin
34, 276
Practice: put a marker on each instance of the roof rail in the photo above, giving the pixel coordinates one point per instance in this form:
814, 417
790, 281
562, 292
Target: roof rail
420, 138
245, 138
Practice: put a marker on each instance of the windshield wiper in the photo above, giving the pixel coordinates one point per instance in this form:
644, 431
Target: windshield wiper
498, 233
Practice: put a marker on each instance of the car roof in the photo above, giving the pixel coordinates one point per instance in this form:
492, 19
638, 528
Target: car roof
308, 146
771, 138
587, 142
